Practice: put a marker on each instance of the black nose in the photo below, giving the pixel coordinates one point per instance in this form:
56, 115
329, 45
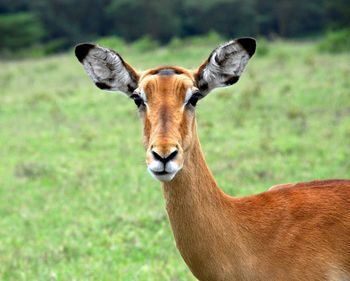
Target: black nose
166, 158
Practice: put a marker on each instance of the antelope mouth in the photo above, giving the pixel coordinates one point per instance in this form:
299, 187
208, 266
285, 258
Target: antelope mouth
162, 173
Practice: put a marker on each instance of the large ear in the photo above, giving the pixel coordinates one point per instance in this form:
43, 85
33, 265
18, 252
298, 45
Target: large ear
107, 69
225, 64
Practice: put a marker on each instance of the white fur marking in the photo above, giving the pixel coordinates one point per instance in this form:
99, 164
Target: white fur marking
188, 95
156, 166
143, 95
172, 167
337, 274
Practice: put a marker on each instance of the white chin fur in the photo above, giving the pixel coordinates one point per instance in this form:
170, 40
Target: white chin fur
171, 168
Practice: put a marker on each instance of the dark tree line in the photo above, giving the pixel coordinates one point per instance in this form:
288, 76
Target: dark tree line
66, 22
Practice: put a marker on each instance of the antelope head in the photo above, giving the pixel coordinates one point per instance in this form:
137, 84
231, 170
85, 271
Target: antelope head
166, 97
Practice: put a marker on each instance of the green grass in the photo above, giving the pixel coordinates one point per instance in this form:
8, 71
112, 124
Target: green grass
76, 202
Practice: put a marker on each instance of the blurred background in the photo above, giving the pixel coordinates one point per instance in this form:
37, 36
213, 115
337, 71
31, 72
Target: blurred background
45, 27
76, 201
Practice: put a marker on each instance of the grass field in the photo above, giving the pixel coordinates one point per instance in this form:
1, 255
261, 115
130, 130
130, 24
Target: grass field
76, 201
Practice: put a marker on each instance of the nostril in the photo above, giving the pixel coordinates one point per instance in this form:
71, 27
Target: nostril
157, 156
171, 156
164, 159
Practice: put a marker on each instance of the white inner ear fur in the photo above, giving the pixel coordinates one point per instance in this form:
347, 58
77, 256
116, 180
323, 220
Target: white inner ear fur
228, 60
107, 69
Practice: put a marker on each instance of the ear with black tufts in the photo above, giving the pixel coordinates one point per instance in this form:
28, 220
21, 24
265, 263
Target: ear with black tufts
225, 64
107, 69
249, 44
82, 50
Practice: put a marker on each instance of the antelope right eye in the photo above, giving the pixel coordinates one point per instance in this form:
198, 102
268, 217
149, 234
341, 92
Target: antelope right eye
194, 98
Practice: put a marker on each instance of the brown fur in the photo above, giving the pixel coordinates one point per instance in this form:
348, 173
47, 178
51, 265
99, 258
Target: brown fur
292, 232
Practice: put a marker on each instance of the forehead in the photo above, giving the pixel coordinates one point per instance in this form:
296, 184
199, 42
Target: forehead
166, 81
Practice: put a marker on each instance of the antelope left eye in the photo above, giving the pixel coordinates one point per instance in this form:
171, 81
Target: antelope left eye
138, 100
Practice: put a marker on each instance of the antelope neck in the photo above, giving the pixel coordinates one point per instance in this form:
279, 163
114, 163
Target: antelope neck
199, 215
194, 184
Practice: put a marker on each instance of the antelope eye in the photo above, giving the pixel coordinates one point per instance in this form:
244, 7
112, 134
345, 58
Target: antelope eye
193, 101
194, 98
137, 99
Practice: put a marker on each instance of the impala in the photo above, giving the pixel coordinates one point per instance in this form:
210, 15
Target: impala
291, 232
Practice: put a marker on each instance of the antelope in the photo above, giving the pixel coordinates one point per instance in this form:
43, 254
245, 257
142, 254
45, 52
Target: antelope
291, 232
